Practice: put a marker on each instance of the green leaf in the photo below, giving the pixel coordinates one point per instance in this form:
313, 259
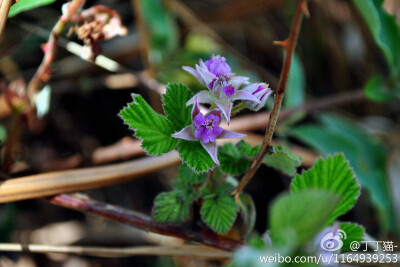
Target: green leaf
332, 174
378, 91
171, 207
231, 160
175, 105
383, 28
367, 157
3, 134
283, 160
298, 217
187, 175
195, 156
354, 232
25, 5
154, 129
187, 192
247, 149
219, 213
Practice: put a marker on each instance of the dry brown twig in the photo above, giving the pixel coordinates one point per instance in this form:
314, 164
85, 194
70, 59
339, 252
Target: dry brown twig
195, 251
4, 9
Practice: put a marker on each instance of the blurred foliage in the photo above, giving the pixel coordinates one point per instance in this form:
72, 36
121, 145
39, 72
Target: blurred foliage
25, 5
162, 30
386, 34
3, 134
367, 156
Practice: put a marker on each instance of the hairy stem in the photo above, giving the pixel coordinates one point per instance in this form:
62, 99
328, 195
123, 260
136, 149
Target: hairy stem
43, 71
289, 46
143, 222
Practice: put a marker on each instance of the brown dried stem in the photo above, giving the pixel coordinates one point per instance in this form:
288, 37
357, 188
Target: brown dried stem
44, 68
144, 222
195, 251
289, 46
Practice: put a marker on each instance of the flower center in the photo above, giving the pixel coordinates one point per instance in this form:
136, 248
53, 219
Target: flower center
229, 90
207, 128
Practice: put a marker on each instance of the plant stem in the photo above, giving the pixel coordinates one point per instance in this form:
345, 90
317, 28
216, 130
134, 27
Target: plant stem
144, 222
289, 46
44, 68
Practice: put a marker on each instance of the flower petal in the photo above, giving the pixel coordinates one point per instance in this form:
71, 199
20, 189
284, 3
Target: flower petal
195, 73
206, 75
195, 110
237, 81
211, 148
226, 108
243, 95
202, 97
186, 134
226, 134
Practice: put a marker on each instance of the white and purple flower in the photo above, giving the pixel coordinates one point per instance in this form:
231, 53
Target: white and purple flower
205, 128
259, 90
223, 86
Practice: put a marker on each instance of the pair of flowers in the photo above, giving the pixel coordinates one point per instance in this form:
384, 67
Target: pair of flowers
223, 88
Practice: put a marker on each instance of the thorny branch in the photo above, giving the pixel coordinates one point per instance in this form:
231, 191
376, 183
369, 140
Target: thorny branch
289, 46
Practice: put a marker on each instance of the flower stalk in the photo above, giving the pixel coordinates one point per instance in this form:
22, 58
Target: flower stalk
43, 72
289, 46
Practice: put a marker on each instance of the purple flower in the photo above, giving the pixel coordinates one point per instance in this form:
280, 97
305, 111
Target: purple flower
205, 128
218, 65
223, 86
261, 92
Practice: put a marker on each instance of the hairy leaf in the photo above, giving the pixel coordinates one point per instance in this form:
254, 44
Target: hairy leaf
219, 213
367, 156
175, 105
332, 174
248, 150
354, 232
171, 207
195, 156
283, 160
187, 175
232, 161
154, 129
298, 217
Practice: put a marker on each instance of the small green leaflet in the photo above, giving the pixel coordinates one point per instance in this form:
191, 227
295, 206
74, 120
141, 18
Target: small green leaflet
175, 105
154, 129
247, 149
219, 213
232, 161
298, 217
283, 160
25, 5
171, 207
194, 155
187, 175
332, 174
354, 232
